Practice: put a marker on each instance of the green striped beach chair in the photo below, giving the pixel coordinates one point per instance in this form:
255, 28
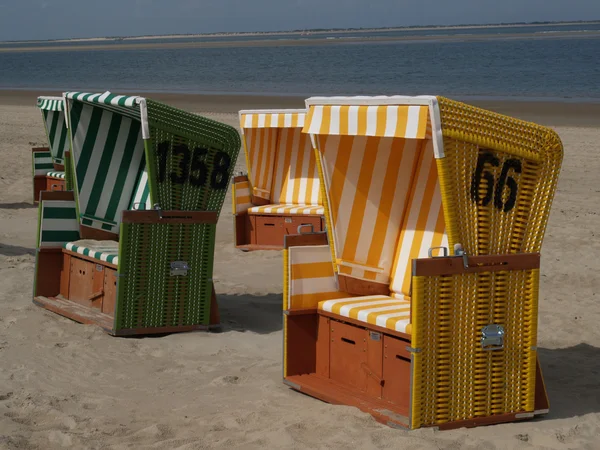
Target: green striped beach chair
131, 248
49, 162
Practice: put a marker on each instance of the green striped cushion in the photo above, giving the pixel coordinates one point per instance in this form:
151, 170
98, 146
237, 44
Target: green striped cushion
56, 175
42, 163
58, 223
109, 155
108, 254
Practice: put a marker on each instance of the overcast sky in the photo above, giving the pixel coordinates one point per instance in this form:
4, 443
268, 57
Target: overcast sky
51, 19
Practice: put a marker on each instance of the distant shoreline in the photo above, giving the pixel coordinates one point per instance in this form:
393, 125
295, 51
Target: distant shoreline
308, 31
552, 112
99, 45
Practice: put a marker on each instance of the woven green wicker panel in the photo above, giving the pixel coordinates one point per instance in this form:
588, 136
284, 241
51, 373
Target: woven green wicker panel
148, 295
191, 159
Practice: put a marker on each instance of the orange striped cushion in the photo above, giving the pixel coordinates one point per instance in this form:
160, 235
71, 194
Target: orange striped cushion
379, 310
287, 209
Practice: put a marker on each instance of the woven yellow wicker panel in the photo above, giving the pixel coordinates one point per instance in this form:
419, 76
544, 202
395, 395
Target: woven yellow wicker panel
498, 179
454, 378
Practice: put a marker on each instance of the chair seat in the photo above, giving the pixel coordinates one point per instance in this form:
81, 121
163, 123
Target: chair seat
312, 210
105, 251
379, 310
53, 174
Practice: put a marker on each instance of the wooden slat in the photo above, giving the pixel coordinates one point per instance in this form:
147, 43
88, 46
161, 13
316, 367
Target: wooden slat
477, 264
336, 394
368, 326
57, 195
170, 217
301, 240
76, 312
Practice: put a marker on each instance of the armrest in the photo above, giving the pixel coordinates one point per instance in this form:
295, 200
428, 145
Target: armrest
240, 196
169, 217
308, 276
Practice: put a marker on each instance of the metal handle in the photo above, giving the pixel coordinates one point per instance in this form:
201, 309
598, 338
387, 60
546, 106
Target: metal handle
312, 228
445, 251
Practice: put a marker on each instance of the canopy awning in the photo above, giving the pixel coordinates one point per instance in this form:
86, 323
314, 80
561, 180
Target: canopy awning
107, 99
50, 103
272, 119
399, 121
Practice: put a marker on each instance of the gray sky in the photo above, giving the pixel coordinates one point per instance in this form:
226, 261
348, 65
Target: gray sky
51, 19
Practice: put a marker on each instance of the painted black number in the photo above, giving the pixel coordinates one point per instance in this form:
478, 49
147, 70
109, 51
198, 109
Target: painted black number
199, 171
184, 164
192, 166
480, 173
492, 192
163, 151
219, 176
505, 180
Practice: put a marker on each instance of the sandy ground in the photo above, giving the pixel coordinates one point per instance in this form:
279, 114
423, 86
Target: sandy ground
65, 385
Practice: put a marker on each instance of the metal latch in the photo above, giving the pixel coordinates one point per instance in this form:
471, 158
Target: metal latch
460, 251
492, 337
179, 268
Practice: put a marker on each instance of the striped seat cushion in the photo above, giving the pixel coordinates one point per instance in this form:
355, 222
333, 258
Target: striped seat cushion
60, 175
288, 209
106, 251
379, 310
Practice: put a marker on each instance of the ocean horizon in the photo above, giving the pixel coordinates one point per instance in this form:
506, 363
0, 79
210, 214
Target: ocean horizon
554, 63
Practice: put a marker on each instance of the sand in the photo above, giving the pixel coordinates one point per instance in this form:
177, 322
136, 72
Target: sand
66, 385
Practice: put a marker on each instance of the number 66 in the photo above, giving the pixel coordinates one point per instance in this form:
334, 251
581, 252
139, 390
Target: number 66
504, 180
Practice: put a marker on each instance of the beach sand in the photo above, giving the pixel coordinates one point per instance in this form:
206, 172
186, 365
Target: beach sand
66, 385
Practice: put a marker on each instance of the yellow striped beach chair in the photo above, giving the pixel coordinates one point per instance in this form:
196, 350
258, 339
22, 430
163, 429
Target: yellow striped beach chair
282, 190
149, 184
420, 306
49, 162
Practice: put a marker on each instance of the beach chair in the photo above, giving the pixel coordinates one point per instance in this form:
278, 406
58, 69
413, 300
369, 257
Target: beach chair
49, 162
131, 249
419, 305
281, 191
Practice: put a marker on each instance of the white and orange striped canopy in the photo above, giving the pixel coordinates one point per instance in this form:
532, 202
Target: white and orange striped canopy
384, 203
280, 159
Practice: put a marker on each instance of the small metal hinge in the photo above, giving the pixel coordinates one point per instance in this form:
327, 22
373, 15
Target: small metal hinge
413, 350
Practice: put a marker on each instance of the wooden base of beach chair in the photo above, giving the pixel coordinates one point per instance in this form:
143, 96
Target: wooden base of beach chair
268, 231
84, 289
344, 362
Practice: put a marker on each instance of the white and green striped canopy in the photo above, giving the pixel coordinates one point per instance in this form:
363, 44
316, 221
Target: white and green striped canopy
108, 152
56, 128
50, 103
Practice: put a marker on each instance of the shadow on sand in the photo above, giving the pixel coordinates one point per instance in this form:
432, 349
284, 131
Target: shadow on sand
259, 314
15, 250
572, 377
21, 205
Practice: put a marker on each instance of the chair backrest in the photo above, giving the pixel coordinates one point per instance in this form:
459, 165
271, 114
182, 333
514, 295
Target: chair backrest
279, 157
134, 153
56, 129
423, 226
108, 151
296, 179
371, 159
